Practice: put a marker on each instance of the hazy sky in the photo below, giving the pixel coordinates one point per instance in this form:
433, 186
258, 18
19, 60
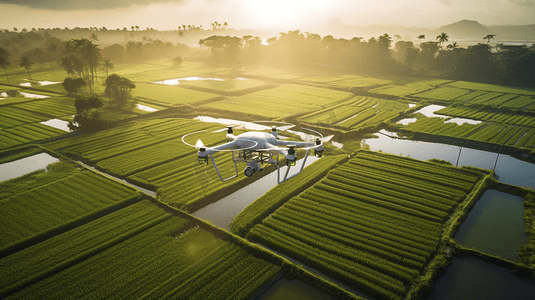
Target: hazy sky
256, 14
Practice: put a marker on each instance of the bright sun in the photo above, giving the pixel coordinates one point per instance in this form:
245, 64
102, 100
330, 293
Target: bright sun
280, 13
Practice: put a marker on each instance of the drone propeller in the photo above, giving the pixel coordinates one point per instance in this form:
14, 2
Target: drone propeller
325, 139
228, 129
199, 144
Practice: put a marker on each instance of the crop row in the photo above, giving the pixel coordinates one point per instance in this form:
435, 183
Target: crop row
56, 107
281, 101
405, 162
28, 213
35, 131
442, 93
489, 87
303, 212
110, 134
8, 140
492, 116
409, 88
343, 269
275, 197
54, 251
21, 115
138, 160
359, 226
450, 184
381, 111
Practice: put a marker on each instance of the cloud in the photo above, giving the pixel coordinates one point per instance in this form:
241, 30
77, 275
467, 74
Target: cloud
522, 2
83, 4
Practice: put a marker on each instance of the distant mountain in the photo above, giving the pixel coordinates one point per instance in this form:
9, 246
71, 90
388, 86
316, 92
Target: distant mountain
464, 29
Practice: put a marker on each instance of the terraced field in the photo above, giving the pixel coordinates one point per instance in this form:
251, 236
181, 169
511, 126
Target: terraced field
343, 81
408, 88
372, 223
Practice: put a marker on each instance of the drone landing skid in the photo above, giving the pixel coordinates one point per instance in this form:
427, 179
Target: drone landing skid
288, 169
218, 173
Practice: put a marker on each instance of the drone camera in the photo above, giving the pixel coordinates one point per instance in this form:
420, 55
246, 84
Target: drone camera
291, 162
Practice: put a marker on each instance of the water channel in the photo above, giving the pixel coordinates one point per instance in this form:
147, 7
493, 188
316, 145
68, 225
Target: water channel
222, 212
25, 165
473, 278
495, 225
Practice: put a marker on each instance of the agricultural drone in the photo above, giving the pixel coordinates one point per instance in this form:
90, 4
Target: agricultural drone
257, 149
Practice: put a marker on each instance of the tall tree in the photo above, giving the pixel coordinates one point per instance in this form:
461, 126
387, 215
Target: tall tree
83, 57
421, 37
93, 37
118, 89
107, 65
442, 38
4, 61
26, 63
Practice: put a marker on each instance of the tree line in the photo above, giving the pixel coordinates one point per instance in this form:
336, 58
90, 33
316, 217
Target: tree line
505, 65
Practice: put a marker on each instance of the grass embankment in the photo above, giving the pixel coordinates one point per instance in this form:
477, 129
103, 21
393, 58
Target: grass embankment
277, 196
448, 248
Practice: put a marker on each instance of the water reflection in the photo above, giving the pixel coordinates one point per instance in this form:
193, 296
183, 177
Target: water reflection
36, 96
177, 81
222, 212
145, 108
474, 278
40, 83
495, 225
285, 289
429, 111
509, 169
406, 121
57, 123
25, 165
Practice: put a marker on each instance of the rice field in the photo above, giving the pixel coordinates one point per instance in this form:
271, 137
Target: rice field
408, 88
281, 101
372, 223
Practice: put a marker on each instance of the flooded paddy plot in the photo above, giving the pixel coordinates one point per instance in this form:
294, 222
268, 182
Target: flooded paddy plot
495, 225
25, 165
509, 169
473, 278
56, 123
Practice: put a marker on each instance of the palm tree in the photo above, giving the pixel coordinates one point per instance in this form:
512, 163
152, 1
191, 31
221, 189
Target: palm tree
489, 37
93, 37
26, 63
107, 65
4, 61
452, 46
442, 38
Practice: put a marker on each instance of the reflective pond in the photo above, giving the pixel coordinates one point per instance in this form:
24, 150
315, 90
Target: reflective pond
429, 111
509, 169
285, 289
145, 108
495, 225
473, 278
57, 123
25, 165
177, 81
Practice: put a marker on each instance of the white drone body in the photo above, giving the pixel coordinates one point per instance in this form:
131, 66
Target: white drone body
259, 148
